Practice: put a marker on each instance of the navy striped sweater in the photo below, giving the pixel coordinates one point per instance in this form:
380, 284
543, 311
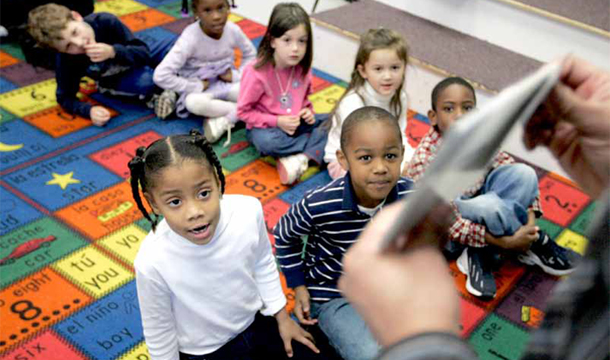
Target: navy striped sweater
330, 218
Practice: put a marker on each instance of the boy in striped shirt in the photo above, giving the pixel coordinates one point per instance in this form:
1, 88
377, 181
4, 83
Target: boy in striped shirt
332, 216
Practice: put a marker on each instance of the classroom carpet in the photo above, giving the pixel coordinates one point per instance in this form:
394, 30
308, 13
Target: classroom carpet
70, 230
433, 45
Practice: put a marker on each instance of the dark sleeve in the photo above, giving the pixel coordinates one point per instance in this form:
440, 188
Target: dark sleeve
430, 346
129, 49
68, 72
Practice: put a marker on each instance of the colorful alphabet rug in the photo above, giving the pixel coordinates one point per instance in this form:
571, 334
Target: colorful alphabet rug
70, 230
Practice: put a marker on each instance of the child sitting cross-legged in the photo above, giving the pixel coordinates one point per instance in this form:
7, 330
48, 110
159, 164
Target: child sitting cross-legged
201, 67
497, 213
332, 216
273, 99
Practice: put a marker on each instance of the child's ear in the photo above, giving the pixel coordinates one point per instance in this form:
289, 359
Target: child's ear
152, 203
432, 117
342, 160
361, 71
76, 16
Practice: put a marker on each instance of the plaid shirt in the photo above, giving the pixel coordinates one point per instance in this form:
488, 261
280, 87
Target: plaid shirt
575, 326
464, 231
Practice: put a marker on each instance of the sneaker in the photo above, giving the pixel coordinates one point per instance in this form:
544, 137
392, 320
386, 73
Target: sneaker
165, 104
549, 256
475, 263
452, 250
291, 168
214, 128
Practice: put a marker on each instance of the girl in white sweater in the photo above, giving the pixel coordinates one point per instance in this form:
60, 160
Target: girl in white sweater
208, 285
377, 80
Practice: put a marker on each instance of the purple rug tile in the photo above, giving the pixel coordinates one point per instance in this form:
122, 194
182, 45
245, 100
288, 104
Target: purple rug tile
24, 74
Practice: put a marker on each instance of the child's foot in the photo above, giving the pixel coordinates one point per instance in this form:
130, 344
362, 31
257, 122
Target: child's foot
291, 168
214, 128
165, 104
476, 264
452, 250
551, 258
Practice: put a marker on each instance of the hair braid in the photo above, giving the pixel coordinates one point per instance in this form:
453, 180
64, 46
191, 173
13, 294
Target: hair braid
204, 145
136, 167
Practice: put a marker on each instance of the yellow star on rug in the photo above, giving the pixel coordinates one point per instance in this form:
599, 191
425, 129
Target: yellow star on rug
63, 180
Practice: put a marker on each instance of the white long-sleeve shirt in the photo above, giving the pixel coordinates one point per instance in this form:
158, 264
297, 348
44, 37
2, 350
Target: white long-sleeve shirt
195, 298
365, 96
196, 56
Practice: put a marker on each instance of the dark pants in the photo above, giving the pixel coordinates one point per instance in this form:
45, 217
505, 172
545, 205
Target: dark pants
261, 341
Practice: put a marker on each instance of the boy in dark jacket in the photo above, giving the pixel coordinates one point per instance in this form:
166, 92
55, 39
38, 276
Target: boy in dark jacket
101, 47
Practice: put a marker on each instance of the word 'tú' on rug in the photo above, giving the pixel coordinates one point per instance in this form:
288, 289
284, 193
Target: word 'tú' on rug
70, 230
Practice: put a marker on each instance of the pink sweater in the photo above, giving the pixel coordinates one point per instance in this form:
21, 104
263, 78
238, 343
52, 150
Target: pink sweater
260, 92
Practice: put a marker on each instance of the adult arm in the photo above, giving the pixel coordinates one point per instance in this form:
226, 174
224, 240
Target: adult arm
574, 124
379, 283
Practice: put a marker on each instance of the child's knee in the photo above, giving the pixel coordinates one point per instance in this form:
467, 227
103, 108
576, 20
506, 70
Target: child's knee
265, 140
526, 175
196, 103
525, 172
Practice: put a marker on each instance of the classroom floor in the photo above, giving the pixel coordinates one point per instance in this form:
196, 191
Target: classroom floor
69, 229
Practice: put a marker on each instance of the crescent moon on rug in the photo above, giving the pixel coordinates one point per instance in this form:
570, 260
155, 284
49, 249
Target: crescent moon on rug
6, 147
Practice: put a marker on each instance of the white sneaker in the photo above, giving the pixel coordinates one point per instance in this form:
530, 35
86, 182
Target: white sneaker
291, 168
165, 104
214, 128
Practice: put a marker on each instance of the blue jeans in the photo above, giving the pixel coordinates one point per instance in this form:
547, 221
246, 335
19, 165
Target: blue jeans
138, 81
345, 329
307, 139
260, 341
502, 204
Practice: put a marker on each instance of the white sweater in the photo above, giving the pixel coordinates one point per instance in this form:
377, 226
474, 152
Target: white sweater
351, 102
195, 298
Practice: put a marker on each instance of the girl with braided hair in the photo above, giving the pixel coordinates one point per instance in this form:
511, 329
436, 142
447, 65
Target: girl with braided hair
206, 277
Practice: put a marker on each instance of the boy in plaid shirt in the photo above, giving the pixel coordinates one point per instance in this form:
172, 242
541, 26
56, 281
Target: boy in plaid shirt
499, 210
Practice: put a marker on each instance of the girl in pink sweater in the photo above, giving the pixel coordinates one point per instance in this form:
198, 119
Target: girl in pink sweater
273, 101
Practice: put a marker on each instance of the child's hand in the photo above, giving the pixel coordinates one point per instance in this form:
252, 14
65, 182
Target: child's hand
227, 76
290, 330
289, 123
307, 115
301, 306
523, 238
99, 115
99, 52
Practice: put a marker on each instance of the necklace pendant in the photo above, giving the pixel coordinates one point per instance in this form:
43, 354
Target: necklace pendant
284, 99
